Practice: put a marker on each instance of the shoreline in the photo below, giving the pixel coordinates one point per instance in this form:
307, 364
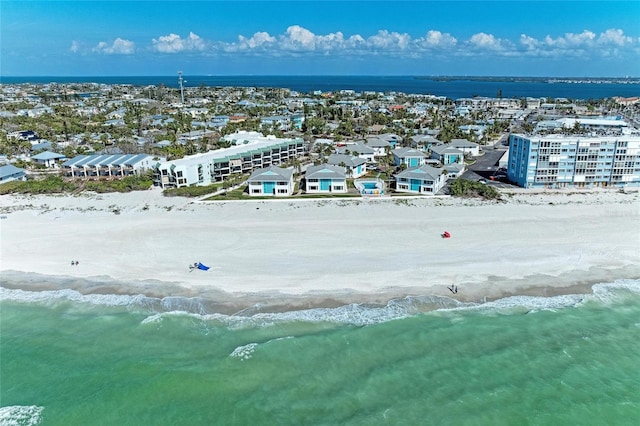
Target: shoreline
301, 254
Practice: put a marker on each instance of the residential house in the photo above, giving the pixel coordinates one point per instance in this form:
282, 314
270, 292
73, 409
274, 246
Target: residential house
454, 170
24, 135
408, 156
423, 142
379, 146
393, 139
280, 122
42, 144
375, 129
48, 159
447, 154
473, 129
358, 150
420, 180
325, 178
355, 166
466, 147
10, 172
271, 181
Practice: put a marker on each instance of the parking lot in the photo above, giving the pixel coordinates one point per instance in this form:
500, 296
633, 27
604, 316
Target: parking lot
486, 166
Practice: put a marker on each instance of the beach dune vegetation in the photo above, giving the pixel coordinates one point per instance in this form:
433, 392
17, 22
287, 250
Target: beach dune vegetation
58, 185
192, 191
126, 184
469, 188
48, 185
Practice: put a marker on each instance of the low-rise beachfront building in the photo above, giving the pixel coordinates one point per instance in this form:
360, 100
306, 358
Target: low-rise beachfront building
454, 170
420, 180
355, 166
447, 154
107, 166
409, 156
249, 153
48, 159
379, 146
271, 181
391, 138
466, 146
325, 179
423, 142
358, 150
10, 172
557, 161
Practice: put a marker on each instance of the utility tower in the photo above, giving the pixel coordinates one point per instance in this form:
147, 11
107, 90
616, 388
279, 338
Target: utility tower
180, 81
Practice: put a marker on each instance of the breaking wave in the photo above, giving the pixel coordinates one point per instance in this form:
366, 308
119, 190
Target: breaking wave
20, 415
351, 314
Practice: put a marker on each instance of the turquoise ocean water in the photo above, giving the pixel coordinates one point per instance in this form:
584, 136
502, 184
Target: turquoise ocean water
68, 359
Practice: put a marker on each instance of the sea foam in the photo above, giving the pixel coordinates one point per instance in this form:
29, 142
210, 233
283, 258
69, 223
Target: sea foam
351, 314
20, 415
244, 352
45, 296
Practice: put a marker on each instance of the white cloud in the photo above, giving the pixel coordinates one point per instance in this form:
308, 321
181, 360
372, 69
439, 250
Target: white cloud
569, 40
384, 40
118, 47
75, 46
436, 39
173, 43
297, 37
297, 40
583, 44
614, 37
259, 39
487, 41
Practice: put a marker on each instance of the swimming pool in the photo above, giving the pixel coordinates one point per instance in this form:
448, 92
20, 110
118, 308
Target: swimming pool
370, 187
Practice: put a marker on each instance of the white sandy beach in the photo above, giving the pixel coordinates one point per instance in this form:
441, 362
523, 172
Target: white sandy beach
352, 250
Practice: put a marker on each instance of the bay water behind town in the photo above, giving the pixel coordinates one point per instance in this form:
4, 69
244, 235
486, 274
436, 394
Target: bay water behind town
450, 87
130, 360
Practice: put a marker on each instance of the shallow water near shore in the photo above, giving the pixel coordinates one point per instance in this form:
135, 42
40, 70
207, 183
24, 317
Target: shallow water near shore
73, 359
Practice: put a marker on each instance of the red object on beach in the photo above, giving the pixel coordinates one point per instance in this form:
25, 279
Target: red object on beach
446, 234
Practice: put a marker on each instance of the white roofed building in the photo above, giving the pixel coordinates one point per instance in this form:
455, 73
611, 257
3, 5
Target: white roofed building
251, 151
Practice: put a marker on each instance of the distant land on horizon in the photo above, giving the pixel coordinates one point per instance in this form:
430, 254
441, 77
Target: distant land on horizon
416, 76
453, 87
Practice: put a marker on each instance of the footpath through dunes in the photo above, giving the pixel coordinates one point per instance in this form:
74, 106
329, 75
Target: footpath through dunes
355, 250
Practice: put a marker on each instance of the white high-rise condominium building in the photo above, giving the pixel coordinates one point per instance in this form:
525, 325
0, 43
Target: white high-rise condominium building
558, 161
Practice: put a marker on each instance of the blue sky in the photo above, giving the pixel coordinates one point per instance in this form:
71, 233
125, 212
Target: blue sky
505, 38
